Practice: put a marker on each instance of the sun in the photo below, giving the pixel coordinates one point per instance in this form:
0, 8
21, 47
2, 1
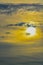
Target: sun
31, 31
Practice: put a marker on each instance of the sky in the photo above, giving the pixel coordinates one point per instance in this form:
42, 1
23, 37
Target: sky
14, 20
15, 44
21, 1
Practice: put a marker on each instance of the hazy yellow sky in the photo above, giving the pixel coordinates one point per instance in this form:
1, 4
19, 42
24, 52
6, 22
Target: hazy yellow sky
21, 1
16, 34
19, 36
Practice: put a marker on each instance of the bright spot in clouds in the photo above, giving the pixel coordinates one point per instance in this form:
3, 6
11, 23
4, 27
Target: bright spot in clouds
31, 31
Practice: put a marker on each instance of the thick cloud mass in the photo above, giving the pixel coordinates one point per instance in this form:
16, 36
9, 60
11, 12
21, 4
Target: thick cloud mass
10, 8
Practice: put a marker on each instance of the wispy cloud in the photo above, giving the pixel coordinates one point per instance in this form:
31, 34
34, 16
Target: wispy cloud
17, 24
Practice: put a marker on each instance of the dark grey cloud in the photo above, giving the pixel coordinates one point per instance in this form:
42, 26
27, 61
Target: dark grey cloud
2, 37
20, 24
11, 8
5, 45
7, 32
17, 24
20, 60
13, 55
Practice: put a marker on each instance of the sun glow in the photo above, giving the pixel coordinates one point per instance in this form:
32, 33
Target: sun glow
31, 31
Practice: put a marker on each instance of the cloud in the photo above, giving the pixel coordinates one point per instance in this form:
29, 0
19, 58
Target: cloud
20, 54
20, 24
13, 8
20, 60
2, 37
5, 46
17, 24
7, 32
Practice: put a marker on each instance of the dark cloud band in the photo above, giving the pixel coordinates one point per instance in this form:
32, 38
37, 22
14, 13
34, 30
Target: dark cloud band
10, 8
